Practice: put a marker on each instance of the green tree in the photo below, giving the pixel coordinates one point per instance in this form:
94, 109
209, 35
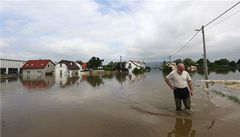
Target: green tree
94, 63
178, 61
232, 63
200, 62
111, 66
188, 62
238, 62
222, 62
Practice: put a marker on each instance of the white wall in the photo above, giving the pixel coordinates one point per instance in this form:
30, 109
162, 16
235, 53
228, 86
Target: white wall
48, 69
59, 68
133, 66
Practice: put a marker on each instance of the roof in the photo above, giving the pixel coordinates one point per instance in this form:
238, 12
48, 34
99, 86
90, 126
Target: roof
36, 64
84, 65
13, 60
70, 64
136, 63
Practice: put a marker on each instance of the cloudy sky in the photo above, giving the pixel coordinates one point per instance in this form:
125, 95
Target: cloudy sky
148, 30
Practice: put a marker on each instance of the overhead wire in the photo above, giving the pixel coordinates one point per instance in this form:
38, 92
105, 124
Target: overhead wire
225, 18
222, 14
209, 24
187, 43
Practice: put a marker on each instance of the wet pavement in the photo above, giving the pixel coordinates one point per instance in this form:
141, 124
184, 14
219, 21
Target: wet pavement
111, 105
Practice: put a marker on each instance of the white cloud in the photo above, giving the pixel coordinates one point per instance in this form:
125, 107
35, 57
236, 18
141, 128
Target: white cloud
148, 29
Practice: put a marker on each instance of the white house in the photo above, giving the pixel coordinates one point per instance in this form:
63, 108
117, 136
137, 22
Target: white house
131, 65
66, 68
173, 65
80, 68
38, 67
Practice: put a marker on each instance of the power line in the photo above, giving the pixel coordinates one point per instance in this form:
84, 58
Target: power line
194, 34
186, 43
222, 14
226, 18
207, 25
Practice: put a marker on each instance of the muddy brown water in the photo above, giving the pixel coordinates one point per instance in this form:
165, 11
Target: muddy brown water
111, 105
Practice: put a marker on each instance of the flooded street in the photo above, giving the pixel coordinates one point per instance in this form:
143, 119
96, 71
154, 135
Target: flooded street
112, 105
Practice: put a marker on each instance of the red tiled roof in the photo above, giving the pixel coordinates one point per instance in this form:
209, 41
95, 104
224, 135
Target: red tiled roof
36, 64
84, 65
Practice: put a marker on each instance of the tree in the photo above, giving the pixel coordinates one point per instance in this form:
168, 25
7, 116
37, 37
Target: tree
178, 61
188, 62
200, 62
95, 62
232, 63
222, 62
238, 62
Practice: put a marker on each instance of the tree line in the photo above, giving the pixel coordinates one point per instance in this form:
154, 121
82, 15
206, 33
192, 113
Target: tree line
220, 63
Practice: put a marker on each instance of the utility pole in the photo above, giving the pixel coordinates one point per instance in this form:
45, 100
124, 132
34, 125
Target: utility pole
170, 59
205, 67
204, 55
120, 63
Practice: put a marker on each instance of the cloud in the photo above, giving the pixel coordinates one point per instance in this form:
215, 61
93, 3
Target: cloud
109, 29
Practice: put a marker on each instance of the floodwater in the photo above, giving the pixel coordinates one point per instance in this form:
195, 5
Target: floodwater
112, 105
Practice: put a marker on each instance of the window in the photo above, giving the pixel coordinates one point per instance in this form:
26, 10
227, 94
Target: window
28, 73
129, 65
60, 64
47, 65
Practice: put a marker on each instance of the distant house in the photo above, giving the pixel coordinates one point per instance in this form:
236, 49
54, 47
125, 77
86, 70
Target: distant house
84, 66
80, 68
38, 67
66, 68
192, 68
131, 65
172, 65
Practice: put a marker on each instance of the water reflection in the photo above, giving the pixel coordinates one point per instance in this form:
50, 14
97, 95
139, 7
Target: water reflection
95, 80
44, 82
183, 128
37, 82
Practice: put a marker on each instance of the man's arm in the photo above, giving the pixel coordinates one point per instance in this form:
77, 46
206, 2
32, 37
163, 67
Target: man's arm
190, 87
169, 84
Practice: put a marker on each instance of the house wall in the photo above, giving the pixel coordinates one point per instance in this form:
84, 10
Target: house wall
65, 71
60, 68
33, 72
48, 69
132, 68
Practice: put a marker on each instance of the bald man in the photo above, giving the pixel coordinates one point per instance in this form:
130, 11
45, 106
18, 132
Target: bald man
180, 82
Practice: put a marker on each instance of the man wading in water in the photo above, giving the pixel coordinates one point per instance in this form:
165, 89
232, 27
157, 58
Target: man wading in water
180, 82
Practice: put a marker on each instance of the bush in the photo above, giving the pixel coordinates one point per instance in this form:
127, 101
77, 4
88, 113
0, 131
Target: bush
138, 71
